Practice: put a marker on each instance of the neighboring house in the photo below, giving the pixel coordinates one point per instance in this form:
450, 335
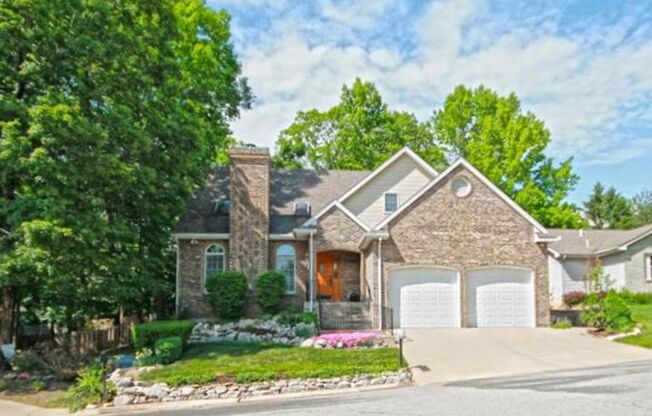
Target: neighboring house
442, 249
625, 254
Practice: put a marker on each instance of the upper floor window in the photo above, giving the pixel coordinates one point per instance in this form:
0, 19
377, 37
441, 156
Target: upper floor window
286, 264
214, 258
391, 202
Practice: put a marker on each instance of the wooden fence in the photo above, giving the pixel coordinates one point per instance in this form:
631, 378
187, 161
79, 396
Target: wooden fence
83, 342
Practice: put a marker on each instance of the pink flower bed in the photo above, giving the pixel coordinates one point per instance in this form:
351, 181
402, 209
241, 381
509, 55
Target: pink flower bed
347, 339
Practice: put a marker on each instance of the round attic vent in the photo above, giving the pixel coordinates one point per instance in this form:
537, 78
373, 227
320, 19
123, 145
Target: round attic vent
461, 187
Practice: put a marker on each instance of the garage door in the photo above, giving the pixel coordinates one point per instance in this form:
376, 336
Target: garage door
500, 297
425, 297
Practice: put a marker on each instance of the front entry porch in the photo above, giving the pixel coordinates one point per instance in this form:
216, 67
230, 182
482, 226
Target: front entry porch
338, 276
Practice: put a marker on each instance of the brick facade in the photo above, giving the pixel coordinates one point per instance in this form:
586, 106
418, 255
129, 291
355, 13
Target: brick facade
336, 231
302, 269
479, 230
192, 298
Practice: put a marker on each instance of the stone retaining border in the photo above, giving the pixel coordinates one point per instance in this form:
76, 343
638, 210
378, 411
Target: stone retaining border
136, 392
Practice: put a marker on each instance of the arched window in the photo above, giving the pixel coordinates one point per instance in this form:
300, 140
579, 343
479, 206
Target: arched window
214, 257
286, 264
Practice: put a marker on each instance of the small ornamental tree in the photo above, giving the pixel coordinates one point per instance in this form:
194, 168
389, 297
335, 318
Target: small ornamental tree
227, 293
270, 290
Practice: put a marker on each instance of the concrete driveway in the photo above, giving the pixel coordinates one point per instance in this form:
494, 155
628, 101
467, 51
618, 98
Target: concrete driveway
446, 355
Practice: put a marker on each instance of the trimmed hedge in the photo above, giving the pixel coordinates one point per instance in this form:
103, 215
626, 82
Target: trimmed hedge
270, 290
145, 335
168, 350
227, 293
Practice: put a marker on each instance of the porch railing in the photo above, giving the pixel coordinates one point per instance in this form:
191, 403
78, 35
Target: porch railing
344, 315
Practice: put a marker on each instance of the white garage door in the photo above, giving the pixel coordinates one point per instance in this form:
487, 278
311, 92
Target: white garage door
425, 297
500, 297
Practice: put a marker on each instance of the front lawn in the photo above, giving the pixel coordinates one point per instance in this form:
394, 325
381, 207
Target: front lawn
248, 362
641, 314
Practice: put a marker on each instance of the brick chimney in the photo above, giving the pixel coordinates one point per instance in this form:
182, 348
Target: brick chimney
249, 213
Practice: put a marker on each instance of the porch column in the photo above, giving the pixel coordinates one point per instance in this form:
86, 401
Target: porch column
311, 271
380, 284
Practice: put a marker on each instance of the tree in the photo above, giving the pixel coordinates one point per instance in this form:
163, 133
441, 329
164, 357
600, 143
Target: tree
609, 209
110, 114
358, 133
642, 205
508, 146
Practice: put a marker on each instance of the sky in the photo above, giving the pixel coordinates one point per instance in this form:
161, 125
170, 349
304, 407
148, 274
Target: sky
583, 67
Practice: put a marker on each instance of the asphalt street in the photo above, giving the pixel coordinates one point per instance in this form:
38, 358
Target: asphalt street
624, 389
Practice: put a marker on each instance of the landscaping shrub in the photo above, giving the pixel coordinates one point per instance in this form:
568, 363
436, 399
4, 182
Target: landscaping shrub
168, 350
227, 293
145, 335
144, 358
293, 315
562, 325
609, 312
44, 359
636, 298
574, 298
270, 290
88, 389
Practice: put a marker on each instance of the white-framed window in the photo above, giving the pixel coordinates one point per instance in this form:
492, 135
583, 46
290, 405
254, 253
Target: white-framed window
648, 267
391, 202
286, 264
214, 259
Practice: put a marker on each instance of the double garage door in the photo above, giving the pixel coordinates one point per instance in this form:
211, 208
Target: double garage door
429, 297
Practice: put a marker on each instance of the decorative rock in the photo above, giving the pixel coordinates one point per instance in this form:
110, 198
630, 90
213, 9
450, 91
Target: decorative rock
244, 337
186, 391
156, 391
123, 400
307, 342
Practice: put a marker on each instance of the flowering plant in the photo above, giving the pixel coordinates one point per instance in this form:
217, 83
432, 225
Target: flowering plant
347, 339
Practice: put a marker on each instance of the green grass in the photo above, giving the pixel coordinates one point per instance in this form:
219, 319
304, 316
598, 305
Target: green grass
562, 325
641, 314
247, 362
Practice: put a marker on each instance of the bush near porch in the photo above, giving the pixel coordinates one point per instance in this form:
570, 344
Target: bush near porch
248, 362
642, 314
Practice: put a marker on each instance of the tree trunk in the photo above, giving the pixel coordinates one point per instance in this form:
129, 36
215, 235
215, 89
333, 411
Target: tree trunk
8, 316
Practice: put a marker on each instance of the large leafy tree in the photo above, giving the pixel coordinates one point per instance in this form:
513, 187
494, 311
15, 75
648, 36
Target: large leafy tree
507, 145
109, 113
609, 209
642, 205
358, 133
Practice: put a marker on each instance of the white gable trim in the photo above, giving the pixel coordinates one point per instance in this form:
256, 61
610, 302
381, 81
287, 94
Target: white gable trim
461, 162
404, 151
338, 205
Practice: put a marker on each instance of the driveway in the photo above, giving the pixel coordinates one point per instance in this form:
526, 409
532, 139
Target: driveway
446, 355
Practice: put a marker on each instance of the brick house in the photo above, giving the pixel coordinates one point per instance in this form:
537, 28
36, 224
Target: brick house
444, 249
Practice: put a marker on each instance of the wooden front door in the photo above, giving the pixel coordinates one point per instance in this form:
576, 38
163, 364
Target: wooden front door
328, 279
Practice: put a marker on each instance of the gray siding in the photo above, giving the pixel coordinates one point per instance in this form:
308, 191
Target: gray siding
635, 265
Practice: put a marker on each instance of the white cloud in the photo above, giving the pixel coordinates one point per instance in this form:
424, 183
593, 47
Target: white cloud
587, 86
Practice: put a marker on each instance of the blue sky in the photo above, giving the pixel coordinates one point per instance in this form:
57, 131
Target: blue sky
584, 67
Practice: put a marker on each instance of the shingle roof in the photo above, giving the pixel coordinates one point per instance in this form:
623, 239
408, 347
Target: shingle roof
591, 242
319, 188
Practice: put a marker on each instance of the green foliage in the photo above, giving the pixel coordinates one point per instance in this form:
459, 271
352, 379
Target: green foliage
562, 325
636, 298
642, 206
111, 113
609, 209
248, 362
44, 359
596, 279
88, 389
305, 331
642, 314
573, 298
609, 313
508, 147
145, 357
270, 290
37, 385
293, 315
146, 334
227, 293
358, 133
168, 350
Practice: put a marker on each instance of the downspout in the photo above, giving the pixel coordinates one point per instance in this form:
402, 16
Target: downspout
311, 271
380, 284
176, 284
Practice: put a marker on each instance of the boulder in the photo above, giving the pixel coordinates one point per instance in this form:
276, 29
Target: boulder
123, 400
307, 342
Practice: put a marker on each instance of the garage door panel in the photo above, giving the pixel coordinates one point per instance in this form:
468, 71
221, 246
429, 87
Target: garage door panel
500, 297
425, 297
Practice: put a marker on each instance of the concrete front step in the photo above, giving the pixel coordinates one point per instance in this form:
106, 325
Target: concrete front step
345, 315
